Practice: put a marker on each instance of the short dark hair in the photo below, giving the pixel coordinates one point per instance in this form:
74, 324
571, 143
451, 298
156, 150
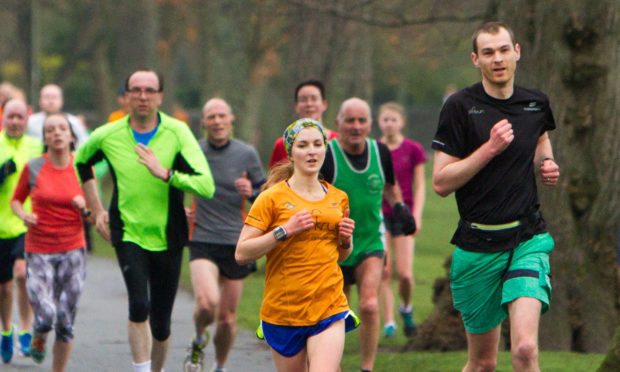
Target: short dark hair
492, 28
160, 77
314, 83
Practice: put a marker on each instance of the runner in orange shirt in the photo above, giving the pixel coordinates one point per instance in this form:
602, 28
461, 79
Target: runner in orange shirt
301, 224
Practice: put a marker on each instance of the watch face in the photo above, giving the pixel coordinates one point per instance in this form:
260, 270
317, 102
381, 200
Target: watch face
279, 233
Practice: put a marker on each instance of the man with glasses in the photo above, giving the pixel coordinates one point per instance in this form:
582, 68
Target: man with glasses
310, 103
153, 158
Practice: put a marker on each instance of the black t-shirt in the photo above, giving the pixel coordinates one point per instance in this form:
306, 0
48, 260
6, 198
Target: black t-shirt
505, 189
359, 162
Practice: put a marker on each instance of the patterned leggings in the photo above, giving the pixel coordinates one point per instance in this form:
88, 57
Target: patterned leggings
55, 282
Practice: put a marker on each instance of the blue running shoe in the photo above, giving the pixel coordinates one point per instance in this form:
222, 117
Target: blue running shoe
389, 331
6, 346
24, 339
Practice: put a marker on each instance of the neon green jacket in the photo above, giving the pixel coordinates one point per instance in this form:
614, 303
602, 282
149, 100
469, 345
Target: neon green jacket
20, 150
144, 209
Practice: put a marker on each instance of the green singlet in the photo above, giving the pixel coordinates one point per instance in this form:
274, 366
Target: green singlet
365, 190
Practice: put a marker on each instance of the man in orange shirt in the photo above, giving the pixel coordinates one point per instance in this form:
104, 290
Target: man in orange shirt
123, 103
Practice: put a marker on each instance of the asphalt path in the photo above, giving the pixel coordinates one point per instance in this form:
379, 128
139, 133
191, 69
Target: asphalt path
101, 331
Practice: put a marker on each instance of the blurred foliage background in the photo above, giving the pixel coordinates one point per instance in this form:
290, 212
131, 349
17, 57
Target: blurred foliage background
250, 52
254, 52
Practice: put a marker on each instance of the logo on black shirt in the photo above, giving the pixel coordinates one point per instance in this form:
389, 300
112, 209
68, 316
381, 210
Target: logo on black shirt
475, 111
532, 107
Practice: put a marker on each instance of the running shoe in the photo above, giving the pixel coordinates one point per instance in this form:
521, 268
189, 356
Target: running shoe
389, 331
37, 349
215, 369
194, 361
409, 326
24, 339
6, 347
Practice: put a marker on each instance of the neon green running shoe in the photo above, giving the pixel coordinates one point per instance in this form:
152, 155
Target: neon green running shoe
194, 360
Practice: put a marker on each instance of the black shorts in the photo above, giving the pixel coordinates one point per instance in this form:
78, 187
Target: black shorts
223, 256
394, 226
10, 250
348, 272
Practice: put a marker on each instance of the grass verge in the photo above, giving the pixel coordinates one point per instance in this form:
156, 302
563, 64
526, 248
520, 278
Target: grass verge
432, 248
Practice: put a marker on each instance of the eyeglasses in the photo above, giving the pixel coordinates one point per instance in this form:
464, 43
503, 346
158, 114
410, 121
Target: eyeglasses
308, 99
149, 92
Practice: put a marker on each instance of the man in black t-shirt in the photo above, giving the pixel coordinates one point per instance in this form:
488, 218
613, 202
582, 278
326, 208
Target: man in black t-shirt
490, 140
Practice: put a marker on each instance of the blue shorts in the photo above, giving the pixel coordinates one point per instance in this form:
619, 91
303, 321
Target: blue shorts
290, 340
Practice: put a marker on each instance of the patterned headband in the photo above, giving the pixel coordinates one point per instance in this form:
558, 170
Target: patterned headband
293, 130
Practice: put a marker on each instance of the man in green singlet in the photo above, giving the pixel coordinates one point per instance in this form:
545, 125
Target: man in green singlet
362, 167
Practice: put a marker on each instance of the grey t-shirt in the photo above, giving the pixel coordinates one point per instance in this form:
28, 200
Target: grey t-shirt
219, 220
35, 127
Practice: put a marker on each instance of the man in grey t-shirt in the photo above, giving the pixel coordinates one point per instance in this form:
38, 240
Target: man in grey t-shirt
216, 277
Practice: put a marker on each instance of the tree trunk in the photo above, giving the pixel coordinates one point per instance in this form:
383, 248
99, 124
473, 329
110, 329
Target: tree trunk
570, 51
443, 330
104, 101
612, 360
137, 41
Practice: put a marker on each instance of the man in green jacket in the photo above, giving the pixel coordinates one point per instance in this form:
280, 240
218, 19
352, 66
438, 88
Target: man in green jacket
16, 149
153, 158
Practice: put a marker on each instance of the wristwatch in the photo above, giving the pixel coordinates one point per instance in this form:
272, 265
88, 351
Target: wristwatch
280, 233
170, 174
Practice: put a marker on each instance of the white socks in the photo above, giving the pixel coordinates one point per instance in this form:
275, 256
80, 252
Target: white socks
389, 324
202, 340
142, 367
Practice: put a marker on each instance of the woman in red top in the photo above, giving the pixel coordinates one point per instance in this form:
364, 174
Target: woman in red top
55, 253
